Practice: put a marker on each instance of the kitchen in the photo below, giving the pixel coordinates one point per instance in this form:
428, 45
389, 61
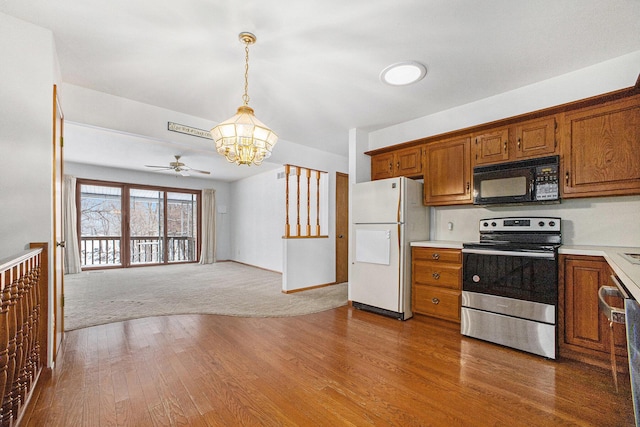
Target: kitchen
597, 225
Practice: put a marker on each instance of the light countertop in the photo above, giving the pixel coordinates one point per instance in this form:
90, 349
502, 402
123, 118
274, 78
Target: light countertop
627, 272
438, 244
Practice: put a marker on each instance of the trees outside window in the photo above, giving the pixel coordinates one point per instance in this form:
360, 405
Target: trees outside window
123, 225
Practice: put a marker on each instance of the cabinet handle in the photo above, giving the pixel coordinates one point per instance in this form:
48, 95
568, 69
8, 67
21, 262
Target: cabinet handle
435, 256
435, 300
505, 146
390, 166
468, 186
398, 165
566, 177
519, 143
436, 276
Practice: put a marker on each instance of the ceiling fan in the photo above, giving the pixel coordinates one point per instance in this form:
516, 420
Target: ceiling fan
178, 167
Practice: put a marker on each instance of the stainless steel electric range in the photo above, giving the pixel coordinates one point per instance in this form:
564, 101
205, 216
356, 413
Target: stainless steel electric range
510, 283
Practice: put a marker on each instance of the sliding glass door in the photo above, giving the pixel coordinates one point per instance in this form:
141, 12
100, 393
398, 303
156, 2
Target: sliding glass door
100, 218
182, 227
122, 225
146, 226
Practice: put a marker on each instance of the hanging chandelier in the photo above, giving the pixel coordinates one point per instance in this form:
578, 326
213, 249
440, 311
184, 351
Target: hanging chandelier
243, 139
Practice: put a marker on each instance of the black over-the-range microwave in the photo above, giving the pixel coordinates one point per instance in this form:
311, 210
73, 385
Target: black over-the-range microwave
520, 182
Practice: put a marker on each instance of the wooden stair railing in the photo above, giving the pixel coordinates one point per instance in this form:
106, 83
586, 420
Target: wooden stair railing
23, 328
311, 188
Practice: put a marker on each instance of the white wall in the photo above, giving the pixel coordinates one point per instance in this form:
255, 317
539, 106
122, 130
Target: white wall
223, 242
28, 72
304, 266
26, 111
106, 111
258, 219
618, 73
600, 221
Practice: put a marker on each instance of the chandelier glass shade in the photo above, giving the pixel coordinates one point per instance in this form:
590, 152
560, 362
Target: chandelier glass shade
243, 139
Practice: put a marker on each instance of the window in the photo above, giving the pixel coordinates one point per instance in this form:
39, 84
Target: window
124, 225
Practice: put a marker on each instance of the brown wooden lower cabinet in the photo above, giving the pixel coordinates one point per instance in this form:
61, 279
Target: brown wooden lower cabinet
436, 282
583, 330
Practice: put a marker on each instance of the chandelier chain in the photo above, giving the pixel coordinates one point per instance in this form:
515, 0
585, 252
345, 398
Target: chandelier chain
245, 97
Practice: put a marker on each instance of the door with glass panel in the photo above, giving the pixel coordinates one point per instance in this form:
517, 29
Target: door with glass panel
146, 226
182, 227
100, 214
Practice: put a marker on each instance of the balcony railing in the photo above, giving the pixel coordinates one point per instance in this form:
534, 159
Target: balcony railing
105, 250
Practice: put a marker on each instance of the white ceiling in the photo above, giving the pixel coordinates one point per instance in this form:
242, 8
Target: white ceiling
314, 69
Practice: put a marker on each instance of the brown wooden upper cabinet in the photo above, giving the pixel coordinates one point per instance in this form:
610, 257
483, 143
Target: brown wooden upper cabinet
447, 172
528, 139
402, 162
601, 149
491, 147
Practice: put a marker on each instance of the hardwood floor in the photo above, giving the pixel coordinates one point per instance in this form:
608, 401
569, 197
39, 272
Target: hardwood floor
338, 367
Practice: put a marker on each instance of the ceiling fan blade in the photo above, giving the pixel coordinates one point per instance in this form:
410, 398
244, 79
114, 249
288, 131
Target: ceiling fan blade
183, 172
162, 167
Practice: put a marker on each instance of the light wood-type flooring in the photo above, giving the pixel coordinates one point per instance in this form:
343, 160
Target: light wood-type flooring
341, 367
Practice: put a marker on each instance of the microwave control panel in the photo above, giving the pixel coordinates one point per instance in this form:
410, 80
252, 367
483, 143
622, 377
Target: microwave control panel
547, 183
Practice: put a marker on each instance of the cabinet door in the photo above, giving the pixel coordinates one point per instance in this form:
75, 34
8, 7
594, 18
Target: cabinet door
382, 166
600, 149
409, 161
536, 138
447, 172
585, 326
492, 147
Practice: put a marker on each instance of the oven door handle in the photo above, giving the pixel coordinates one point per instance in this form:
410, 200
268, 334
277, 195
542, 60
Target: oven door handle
549, 255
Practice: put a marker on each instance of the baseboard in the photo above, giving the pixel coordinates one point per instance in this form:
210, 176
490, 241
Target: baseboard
293, 291
250, 265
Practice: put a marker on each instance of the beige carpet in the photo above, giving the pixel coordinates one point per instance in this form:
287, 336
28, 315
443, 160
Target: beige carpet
227, 288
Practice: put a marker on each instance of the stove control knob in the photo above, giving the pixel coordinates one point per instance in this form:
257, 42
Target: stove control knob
493, 224
541, 223
552, 223
486, 224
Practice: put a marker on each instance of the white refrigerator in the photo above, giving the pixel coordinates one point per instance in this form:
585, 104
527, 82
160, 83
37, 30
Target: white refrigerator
387, 215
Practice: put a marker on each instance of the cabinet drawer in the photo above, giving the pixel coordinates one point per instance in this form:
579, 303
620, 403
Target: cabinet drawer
436, 302
437, 255
437, 274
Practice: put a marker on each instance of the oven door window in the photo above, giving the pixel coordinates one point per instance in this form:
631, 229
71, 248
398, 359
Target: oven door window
521, 277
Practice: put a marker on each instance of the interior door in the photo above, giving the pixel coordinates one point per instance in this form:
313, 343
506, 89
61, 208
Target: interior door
342, 227
58, 232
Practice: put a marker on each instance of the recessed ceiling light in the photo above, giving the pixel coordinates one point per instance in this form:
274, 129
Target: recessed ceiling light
403, 73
